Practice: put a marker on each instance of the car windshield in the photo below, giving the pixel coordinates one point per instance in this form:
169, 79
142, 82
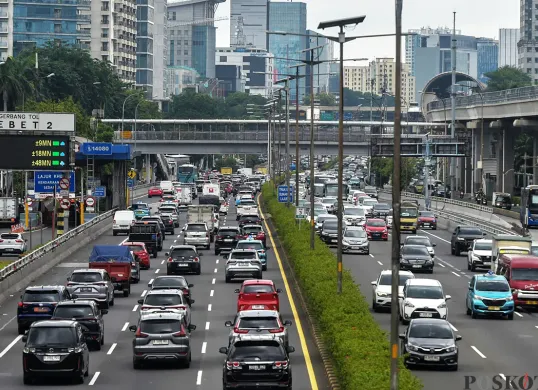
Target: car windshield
53, 336
259, 323
425, 292
250, 245
86, 277
196, 228
228, 231
9, 236
72, 311
483, 246
375, 223
330, 225
524, 273
354, 211
387, 278
430, 331
471, 231
257, 288
182, 252
177, 281
41, 296
534, 250
382, 206
163, 300
134, 248
492, 285
427, 214
415, 251
418, 241
355, 233
369, 202
249, 351
409, 212
243, 255
160, 326
328, 200
253, 229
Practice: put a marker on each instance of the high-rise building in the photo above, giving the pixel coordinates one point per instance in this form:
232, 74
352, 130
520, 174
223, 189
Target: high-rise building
321, 71
160, 50
145, 26
248, 23
289, 17
527, 46
487, 57
36, 23
113, 35
508, 38
6, 30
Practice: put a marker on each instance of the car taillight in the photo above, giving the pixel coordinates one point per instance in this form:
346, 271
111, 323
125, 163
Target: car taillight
133, 264
114, 222
220, 237
19, 241
280, 365
144, 308
185, 291
241, 331
71, 284
170, 259
181, 333
207, 235
196, 259
177, 307
139, 334
233, 365
20, 304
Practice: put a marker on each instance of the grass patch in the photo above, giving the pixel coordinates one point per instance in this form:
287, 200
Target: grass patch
4, 263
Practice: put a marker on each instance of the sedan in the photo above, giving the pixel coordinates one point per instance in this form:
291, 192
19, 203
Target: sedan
12, 244
416, 258
427, 219
376, 229
155, 191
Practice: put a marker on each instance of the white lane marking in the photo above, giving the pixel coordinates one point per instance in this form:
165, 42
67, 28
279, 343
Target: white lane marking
518, 314
215, 270
478, 352
207, 325
433, 235
175, 241
157, 270
204, 346
121, 243
213, 281
94, 379
453, 327
199, 378
179, 235
463, 273
144, 293
135, 308
7, 323
162, 262
211, 293
371, 255
209, 307
459, 276
151, 281
125, 326
6, 349
217, 261
112, 347
380, 263
444, 266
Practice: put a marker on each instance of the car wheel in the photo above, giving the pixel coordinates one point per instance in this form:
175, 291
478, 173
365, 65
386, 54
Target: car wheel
452, 250
27, 379
511, 316
264, 268
468, 311
474, 316
457, 251
173, 232
125, 293
111, 303
98, 345
228, 280
114, 233
468, 265
435, 228
155, 254
216, 252
21, 329
473, 268
260, 276
454, 368
199, 270
374, 306
367, 253
137, 365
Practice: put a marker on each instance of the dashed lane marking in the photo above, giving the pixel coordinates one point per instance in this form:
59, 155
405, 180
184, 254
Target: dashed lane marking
518, 314
478, 352
135, 308
209, 307
94, 379
213, 281
380, 263
162, 262
157, 270
216, 270
442, 265
199, 378
125, 326
204, 346
459, 276
207, 325
144, 293
112, 347
371, 255
211, 293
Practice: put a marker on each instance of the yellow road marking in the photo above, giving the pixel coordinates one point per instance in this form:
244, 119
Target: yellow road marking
304, 346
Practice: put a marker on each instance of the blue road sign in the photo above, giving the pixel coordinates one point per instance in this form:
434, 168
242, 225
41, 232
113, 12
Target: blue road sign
283, 194
99, 192
97, 149
130, 183
44, 181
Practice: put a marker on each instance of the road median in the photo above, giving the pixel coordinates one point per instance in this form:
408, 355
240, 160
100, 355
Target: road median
358, 347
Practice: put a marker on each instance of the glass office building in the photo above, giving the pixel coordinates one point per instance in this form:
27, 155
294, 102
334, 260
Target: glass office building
145, 16
488, 57
36, 22
291, 18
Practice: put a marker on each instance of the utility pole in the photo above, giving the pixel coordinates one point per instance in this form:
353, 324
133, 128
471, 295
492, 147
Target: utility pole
427, 160
288, 143
453, 181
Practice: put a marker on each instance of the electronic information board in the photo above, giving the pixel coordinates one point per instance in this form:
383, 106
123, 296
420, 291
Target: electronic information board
29, 152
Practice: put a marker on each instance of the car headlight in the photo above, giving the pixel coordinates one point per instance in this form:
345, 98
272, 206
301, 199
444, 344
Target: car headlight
404, 261
478, 297
509, 298
28, 350
382, 294
451, 349
412, 347
461, 239
409, 304
474, 257
442, 306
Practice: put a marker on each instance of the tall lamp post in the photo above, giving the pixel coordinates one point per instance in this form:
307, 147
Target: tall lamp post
297, 132
341, 39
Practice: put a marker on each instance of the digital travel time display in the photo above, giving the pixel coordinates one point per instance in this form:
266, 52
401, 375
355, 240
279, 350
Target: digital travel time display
29, 152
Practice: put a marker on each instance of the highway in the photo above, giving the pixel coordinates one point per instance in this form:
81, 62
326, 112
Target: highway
489, 346
111, 368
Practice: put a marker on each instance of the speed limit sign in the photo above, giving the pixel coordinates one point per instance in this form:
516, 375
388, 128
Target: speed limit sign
90, 201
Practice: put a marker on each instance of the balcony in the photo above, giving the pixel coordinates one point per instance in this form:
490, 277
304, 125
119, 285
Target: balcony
4, 15
3, 44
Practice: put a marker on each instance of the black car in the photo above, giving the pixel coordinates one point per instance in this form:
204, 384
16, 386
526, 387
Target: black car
463, 237
38, 303
262, 360
430, 342
169, 224
55, 349
250, 219
183, 259
227, 238
329, 232
156, 218
381, 210
173, 282
416, 258
88, 315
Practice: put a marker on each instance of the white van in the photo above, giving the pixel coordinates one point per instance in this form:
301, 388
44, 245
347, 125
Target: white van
167, 187
123, 220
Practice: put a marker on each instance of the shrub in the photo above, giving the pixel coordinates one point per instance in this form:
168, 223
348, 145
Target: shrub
359, 347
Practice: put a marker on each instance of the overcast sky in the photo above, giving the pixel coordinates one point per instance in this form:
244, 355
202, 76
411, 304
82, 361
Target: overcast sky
474, 17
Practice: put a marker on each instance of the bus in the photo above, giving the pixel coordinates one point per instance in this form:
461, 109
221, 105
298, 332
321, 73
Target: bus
187, 173
331, 189
529, 206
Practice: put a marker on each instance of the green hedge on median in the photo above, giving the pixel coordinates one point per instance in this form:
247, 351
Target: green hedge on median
359, 347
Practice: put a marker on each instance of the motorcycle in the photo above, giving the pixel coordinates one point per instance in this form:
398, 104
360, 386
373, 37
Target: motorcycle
461, 194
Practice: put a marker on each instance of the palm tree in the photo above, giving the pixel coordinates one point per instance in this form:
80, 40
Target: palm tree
16, 79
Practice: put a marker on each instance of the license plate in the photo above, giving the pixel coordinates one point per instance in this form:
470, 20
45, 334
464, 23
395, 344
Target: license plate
9, 249
51, 358
355, 247
426, 315
426, 224
86, 289
41, 309
182, 265
494, 308
334, 240
431, 358
256, 368
532, 302
228, 239
487, 263
417, 266
258, 307
160, 342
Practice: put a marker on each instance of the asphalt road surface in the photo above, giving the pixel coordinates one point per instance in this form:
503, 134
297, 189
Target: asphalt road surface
111, 368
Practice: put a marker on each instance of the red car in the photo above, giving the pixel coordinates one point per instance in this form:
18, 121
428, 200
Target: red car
155, 191
426, 219
256, 231
258, 294
376, 229
140, 251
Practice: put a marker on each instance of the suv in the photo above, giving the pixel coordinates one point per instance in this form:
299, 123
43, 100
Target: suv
262, 360
355, 239
259, 322
256, 245
12, 244
383, 289
55, 348
88, 315
479, 255
183, 258
490, 295
92, 284
243, 263
162, 335
255, 231
463, 237
38, 303
249, 219
258, 294
169, 224
197, 234
421, 240
148, 233
329, 232
171, 300
173, 283
227, 238
423, 298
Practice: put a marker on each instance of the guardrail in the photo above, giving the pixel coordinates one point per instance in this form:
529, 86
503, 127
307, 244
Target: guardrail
491, 229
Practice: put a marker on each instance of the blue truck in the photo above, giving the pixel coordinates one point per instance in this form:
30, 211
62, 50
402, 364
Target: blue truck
119, 262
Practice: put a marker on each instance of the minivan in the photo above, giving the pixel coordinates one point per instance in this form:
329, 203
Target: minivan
521, 271
167, 187
123, 220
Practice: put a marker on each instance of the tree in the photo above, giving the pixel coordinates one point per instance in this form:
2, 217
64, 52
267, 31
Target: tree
382, 167
229, 161
16, 81
325, 99
507, 77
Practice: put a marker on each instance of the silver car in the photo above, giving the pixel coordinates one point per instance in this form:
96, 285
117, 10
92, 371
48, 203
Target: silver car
420, 240
170, 209
92, 284
259, 322
171, 300
162, 335
354, 216
243, 264
355, 240
12, 244
196, 234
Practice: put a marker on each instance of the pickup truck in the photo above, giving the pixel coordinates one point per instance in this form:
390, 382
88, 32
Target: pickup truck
204, 214
148, 233
118, 261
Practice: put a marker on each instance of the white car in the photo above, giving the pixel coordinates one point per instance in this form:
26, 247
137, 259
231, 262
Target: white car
421, 240
12, 244
389, 221
423, 298
368, 206
172, 300
479, 256
382, 288
354, 216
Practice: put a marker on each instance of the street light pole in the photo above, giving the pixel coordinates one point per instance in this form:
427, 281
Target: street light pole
312, 176
288, 143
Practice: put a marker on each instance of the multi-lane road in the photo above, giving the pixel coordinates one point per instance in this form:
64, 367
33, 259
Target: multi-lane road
111, 368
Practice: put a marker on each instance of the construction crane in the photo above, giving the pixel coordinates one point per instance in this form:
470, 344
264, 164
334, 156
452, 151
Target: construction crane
173, 23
